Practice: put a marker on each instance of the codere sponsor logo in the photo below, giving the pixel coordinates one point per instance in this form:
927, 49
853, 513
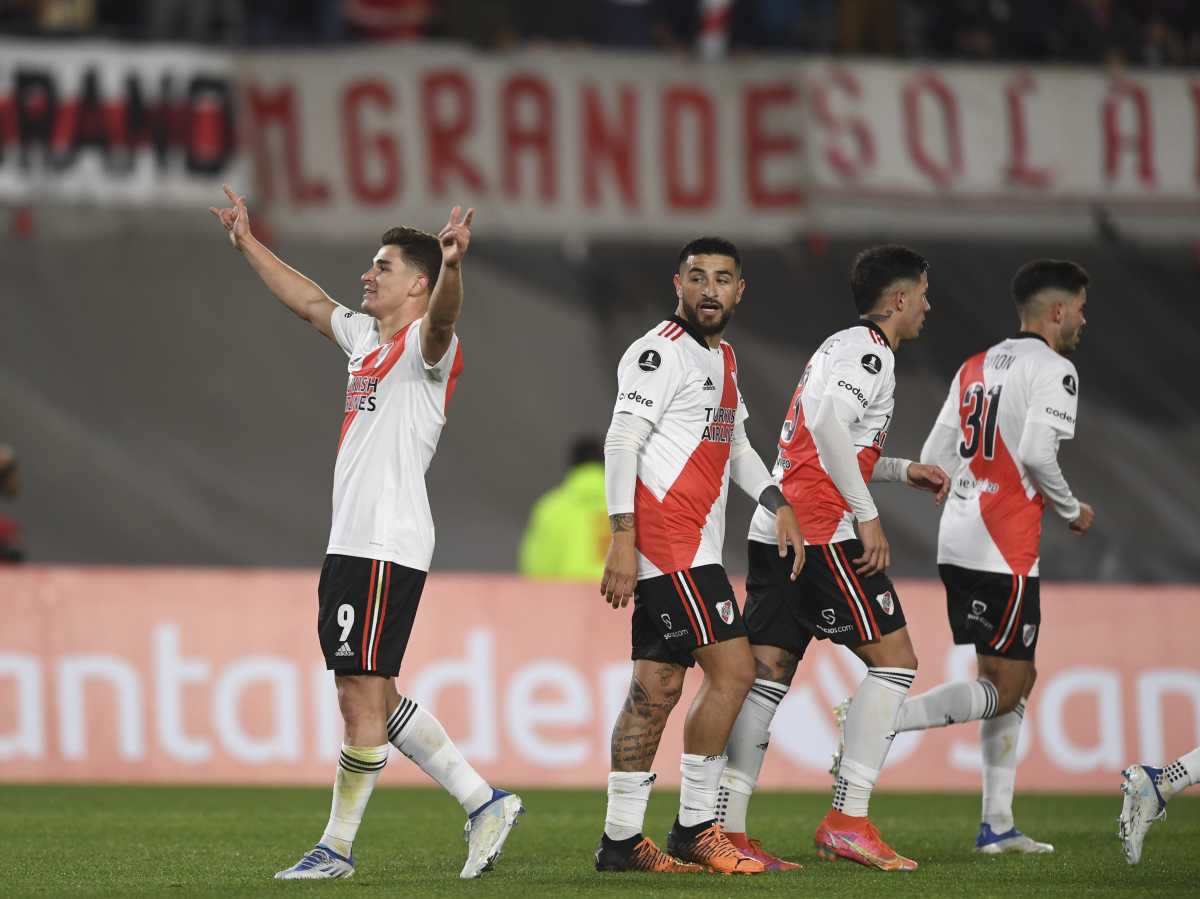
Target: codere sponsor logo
1065, 416
634, 397
854, 392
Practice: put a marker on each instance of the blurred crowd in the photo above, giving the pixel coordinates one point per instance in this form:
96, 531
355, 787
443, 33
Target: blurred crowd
1134, 32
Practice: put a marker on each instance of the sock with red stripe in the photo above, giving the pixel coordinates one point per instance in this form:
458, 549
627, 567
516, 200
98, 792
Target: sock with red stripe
870, 723
421, 737
746, 749
950, 703
358, 769
698, 791
1180, 774
998, 737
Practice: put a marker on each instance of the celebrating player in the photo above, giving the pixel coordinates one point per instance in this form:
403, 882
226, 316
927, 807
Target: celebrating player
998, 433
1147, 790
829, 449
404, 360
677, 438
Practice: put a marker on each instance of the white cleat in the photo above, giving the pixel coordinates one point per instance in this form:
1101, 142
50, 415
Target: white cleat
1142, 806
839, 719
486, 831
990, 843
319, 863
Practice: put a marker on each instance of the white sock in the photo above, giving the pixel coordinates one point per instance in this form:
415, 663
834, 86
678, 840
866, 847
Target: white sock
951, 703
628, 793
746, 750
698, 792
1180, 774
358, 769
870, 722
999, 738
422, 738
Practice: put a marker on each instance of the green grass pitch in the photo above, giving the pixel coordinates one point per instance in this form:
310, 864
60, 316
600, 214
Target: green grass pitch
210, 841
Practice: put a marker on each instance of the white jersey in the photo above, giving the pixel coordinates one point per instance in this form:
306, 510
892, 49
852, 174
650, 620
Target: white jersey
689, 392
992, 519
395, 409
855, 366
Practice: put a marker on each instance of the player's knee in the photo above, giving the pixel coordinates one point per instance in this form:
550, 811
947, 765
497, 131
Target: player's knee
1008, 694
739, 676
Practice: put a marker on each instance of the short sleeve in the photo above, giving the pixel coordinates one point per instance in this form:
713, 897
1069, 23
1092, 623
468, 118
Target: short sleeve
857, 373
349, 327
648, 378
1054, 397
435, 371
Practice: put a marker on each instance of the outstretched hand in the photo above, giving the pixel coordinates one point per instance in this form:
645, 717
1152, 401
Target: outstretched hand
235, 219
456, 237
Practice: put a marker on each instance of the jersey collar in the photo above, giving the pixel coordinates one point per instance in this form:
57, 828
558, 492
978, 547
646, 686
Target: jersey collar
692, 332
871, 326
1022, 335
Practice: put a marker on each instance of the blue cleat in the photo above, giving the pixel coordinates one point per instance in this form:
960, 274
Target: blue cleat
990, 843
319, 863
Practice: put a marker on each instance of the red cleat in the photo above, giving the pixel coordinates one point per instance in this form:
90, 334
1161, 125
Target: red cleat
754, 849
858, 840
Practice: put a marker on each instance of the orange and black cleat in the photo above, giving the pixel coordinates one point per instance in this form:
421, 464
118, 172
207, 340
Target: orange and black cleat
638, 854
840, 835
707, 845
754, 849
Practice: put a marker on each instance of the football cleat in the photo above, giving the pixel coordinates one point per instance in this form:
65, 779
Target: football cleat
1142, 806
839, 835
319, 863
754, 849
638, 854
839, 719
1012, 840
710, 848
486, 831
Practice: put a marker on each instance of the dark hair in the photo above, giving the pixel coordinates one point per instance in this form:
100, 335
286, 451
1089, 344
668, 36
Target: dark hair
876, 269
714, 246
1046, 274
420, 248
585, 448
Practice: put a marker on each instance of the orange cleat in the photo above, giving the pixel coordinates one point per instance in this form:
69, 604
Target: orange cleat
711, 848
754, 849
858, 840
639, 854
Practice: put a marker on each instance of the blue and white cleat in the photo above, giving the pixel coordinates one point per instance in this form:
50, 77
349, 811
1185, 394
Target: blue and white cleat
990, 843
319, 863
1142, 806
487, 829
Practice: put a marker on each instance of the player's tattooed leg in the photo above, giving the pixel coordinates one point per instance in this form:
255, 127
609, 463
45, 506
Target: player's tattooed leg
653, 693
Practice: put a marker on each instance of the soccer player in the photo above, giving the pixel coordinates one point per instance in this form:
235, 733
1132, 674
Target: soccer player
998, 434
1147, 791
676, 439
829, 449
404, 361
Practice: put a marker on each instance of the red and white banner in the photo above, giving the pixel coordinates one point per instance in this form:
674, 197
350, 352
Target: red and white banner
343, 144
215, 676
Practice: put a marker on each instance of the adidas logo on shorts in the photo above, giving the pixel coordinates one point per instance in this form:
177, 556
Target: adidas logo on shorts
344, 650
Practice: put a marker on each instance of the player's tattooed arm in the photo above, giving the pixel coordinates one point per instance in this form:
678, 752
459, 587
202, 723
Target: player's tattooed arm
621, 523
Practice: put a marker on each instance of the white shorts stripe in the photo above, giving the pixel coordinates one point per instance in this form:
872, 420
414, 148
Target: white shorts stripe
375, 616
858, 600
705, 636
1016, 613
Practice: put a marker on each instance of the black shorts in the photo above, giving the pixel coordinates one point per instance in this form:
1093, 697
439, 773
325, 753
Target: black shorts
829, 600
1000, 613
365, 614
674, 614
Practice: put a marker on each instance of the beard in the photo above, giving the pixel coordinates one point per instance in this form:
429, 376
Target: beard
692, 317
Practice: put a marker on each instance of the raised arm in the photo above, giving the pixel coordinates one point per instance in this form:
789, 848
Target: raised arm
300, 294
446, 300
